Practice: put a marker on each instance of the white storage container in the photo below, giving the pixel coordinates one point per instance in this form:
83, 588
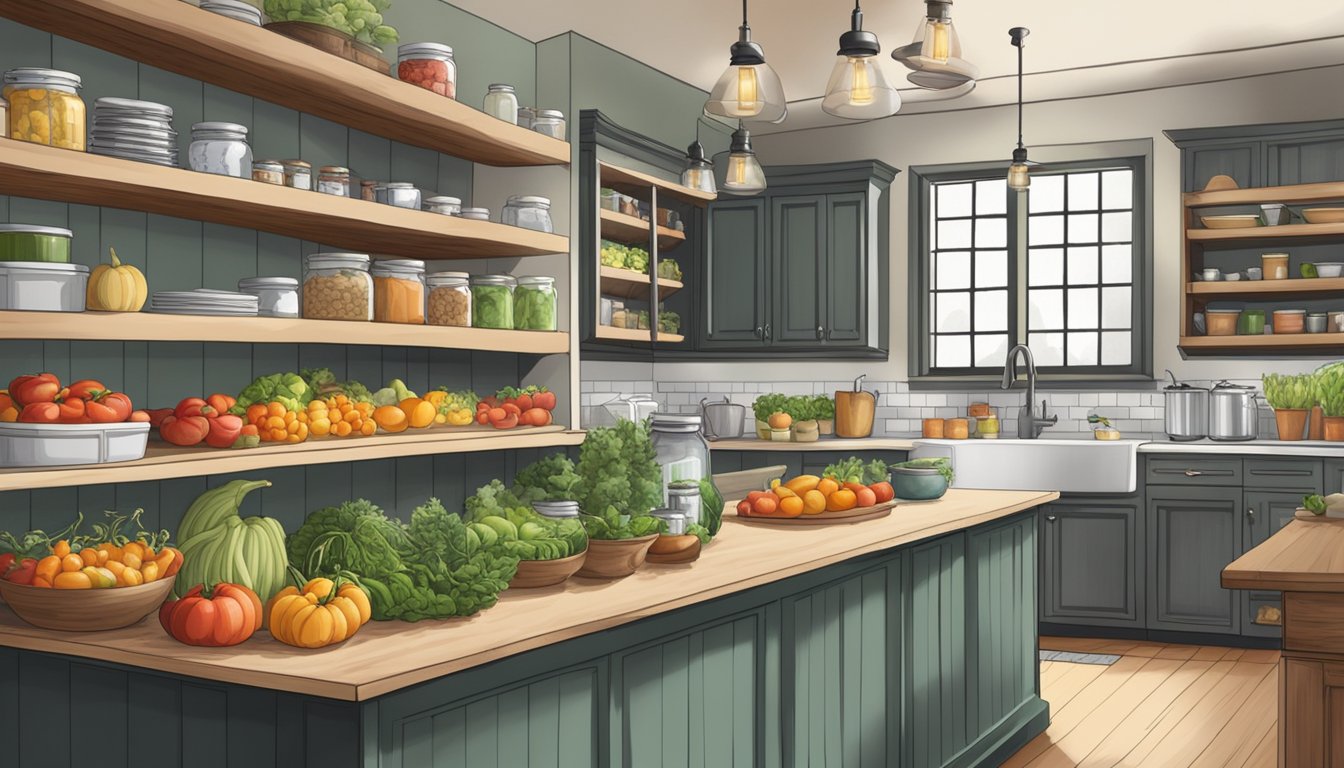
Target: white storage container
55, 445
43, 287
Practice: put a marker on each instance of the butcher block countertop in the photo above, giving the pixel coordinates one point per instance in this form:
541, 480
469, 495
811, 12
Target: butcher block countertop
387, 656
824, 444
1304, 556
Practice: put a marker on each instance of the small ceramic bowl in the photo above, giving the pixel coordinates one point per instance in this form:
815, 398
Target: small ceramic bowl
918, 484
1289, 320
1329, 268
1232, 277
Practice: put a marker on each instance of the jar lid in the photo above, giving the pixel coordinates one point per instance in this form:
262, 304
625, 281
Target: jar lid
321, 260
1290, 311
556, 508
219, 127
117, 104
268, 165
492, 280
297, 164
676, 422
443, 279
35, 229
267, 282
476, 212
443, 200
1227, 386
334, 169
451, 275
551, 113
399, 266
536, 280
400, 185
41, 76
501, 87
43, 266
691, 488
530, 200
431, 49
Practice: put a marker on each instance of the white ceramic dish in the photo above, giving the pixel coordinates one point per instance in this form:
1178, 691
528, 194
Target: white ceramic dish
1232, 221
1329, 269
43, 287
55, 445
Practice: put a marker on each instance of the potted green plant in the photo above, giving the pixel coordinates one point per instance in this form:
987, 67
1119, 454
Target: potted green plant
805, 428
766, 406
1291, 397
1328, 392
823, 410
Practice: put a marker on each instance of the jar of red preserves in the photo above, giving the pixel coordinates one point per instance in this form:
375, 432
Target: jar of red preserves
428, 65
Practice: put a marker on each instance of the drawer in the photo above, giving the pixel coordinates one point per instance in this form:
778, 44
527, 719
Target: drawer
1313, 621
1193, 470
1303, 475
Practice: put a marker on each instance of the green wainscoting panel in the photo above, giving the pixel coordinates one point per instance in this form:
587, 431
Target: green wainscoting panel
935, 652
1003, 669
838, 645
690, 701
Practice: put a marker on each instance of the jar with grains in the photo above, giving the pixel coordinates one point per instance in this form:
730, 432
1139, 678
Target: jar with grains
534, 304
298, 174
337, 286
399, 291
268, 172
449, 299
550, 122
492, 302
502, 102
45, 108
220, 148
428, 65
334, 180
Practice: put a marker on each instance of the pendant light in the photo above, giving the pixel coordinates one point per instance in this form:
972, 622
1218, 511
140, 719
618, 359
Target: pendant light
934, 57
699, 173
857, 89
744, 175
1019, 174
749, 89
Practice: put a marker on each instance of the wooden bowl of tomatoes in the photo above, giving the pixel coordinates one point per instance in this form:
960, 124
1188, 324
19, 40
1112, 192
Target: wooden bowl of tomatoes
85, 610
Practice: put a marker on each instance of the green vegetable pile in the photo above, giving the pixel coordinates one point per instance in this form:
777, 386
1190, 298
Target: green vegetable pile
434, 568
287, 388
940, 463
669, 269
492, 307
823, 407
856, 470
393, 393
534, 309
1289, 392
323, 383
624, 257
669, 321
611, 525
361, 19
1328, 388
620, 482
508, 513
219, 545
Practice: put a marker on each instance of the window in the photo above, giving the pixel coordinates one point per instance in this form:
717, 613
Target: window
1061, 268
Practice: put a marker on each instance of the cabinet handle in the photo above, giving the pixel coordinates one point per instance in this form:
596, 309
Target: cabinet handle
821, 333
760, 334
767, 330
1193, 473
1050, 518
1250, 515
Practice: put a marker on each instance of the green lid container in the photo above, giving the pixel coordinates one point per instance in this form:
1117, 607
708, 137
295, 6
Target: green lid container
31, 242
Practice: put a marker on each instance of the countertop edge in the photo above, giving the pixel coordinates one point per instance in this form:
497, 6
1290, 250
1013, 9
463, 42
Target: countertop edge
824, 444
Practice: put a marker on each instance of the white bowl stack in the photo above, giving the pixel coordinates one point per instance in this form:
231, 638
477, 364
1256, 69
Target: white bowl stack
134, 130
204, 301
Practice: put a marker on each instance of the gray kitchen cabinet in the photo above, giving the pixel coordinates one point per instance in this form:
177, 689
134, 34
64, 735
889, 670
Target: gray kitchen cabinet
1333, 478
1266, 513
801, 261
848, 263
1091, 570
1193, 533
737, 283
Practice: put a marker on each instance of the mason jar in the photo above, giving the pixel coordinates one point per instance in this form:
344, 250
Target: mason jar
492, 302
529, 212
526, 117
334, 180
268, 172
684, 457
476, 214
44, 107
556, 510
444, 204
428, 65
550, 122
502, 102
276, 296
449, 301
337, 286
298, 174
399, 291
534, 302
220, 148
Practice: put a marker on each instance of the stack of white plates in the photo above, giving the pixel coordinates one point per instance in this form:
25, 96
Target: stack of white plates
133, 130
234, 9
204, 301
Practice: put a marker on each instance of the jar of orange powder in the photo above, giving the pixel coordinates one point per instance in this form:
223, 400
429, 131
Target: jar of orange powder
399, 291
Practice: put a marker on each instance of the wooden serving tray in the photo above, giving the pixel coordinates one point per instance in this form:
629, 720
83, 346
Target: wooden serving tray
856, 515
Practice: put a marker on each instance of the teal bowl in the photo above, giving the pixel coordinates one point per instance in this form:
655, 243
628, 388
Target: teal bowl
918, 484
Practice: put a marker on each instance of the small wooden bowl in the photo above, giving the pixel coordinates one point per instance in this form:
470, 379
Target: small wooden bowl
688, 555
615, 559
546, 573
85, 610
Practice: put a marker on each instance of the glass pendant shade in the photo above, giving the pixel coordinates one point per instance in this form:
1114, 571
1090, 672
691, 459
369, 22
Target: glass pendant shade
938, 39
858, 90
744, 175
748, 92
1019, 177
699, 174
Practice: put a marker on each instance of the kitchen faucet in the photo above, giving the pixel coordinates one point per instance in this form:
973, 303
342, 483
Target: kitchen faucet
1029, 425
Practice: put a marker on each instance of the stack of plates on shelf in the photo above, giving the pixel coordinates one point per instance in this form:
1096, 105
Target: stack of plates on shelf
133, 130
204, 301
234, 9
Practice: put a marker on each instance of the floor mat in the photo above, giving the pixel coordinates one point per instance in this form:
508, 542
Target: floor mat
1105, 659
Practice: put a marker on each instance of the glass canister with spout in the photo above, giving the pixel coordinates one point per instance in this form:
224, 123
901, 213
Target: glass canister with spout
684, 457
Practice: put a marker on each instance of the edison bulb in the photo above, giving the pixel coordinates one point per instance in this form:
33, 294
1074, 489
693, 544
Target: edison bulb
748, 91
1019, 177
861, 91
744, 176
937, 40
858, 90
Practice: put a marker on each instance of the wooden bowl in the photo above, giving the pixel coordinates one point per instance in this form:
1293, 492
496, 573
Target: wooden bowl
85, 610
615, 559
332, 41
1323, 215
546, 573
688, 555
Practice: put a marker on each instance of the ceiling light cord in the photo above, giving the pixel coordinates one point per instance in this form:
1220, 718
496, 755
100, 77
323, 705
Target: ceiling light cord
744, 15
1019, 95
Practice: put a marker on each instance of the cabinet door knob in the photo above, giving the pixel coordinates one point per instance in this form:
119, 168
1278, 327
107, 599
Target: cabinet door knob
1250, 515
1050, 518
1193, 473
767, 330
821, 332
760, 334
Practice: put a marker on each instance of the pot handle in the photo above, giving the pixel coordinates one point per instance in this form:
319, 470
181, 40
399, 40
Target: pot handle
704, 420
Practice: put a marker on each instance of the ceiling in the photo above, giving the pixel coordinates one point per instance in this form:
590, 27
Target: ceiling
1078, 48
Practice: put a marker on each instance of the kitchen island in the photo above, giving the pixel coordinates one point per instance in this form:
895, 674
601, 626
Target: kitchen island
909, 640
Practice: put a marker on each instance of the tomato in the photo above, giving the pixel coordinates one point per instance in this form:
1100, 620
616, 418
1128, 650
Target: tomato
883, 491
6, 562
512, 409
73, 411
186, 431
39, 388
119, 403
544, 399
865, 497
224, 431
535, 417
22, 572
40, 413
221, 403
483, 416
228, 614
86, 389
140, 416
100, 413
192, 406
508, 422
524, 402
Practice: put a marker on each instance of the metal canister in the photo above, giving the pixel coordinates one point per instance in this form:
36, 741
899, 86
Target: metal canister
684, 499
1233, 414
1187, 411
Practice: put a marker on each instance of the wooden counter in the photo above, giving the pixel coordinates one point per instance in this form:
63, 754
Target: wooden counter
1305, 560
824, 444
388, 656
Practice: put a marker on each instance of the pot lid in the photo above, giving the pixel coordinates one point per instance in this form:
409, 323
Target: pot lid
1228, 387
35, 229
1180, 386
42, 266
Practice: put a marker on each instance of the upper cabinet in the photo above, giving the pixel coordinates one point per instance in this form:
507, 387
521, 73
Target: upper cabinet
736, 285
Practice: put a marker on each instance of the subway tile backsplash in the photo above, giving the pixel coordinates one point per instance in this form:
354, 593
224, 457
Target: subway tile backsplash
900, 411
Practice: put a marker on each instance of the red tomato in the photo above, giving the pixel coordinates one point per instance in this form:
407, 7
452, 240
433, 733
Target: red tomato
865, 497
39, 388
509, 422
101, 414
73, 411
544, 399
187, 431
483, 416
744, 507
524, 402
225, 615
86, 389
23, 571
140, 416
224, 430
535, 417
883, 491
496, 414
157, 415
40, 413
512, 408
221, 403
192, 406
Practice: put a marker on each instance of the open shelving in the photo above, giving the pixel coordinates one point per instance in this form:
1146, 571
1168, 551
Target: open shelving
32, 170
629, 284
632, 230
181, 38
1324, 286
163, 461
625, 179
636, 335
147, 326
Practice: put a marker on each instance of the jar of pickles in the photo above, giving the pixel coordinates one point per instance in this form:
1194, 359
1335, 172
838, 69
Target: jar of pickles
449, 299
529, 212
337, 286
428, 65
399, 291
44, 107
492, 302
534, 304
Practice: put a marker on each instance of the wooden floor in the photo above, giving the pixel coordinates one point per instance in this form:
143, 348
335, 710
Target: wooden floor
1167, 706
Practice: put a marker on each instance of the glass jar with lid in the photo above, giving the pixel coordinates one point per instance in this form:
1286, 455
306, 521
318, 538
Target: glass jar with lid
44, 107
368, 190
428, 65
334, 180
501, 102
476, 214
337, 286
534, 303
298, 174
444, 204
276, 296
399, 291
401, 194
492, 302
449, 299
526, 116
268, 172
684, 457
557, 510
550, 122
220, 148
529, 212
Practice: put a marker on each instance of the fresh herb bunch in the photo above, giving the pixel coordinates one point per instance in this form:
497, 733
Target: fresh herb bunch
612, 525
1333, 403
767, 404
1289, 392
799, 407
856, 470
823, 407
1314, 504
1328, 380
940, 463
361, 19
619, 468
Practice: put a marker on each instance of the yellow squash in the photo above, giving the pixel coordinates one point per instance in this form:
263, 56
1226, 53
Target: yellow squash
117, 287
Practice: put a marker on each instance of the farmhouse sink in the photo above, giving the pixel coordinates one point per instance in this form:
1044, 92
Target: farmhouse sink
1068, 466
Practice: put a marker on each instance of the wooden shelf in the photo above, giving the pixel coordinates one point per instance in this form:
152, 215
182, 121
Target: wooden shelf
1295, 194
628, 284
617, 177
181, 38
31, 170
1250, 236
1322, 285
147, 326
1270, 343
632, 230
670, 338
163, 461
609, 333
